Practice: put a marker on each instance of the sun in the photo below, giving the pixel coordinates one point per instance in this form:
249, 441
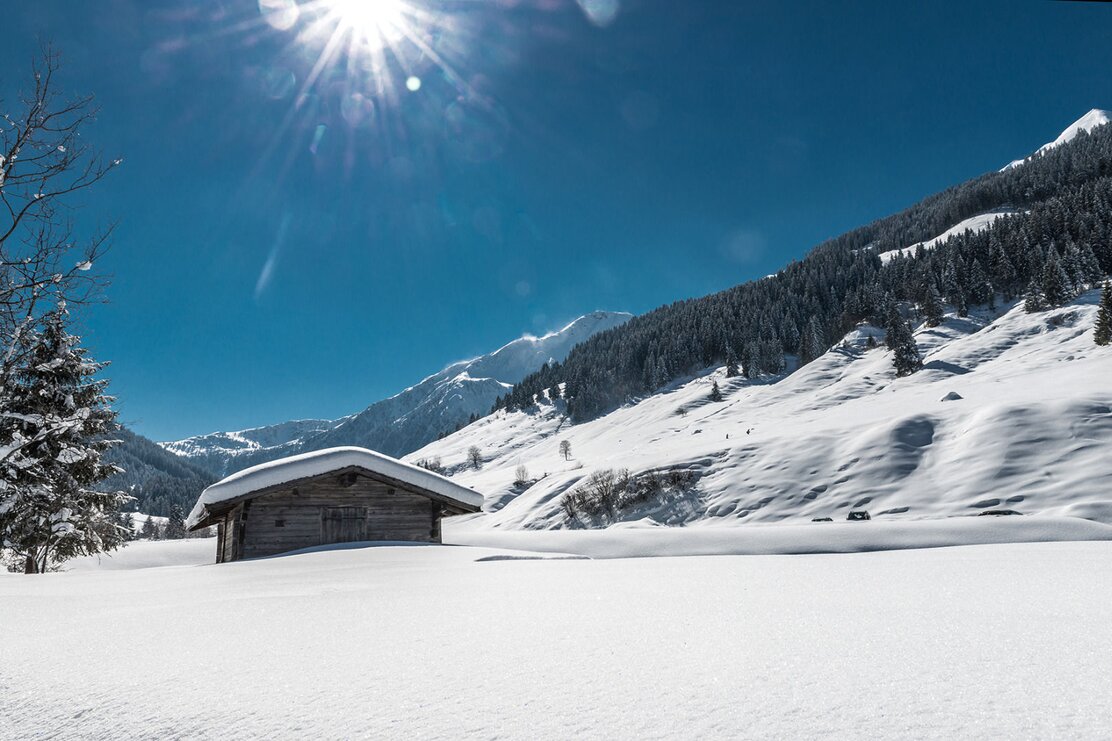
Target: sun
374, 23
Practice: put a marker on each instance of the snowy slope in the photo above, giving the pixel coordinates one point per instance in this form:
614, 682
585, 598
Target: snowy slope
1000, 641
403, 422
1088, 122
1011, 412
974, 224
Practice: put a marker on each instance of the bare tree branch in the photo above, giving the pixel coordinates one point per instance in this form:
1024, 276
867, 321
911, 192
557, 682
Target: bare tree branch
45, 164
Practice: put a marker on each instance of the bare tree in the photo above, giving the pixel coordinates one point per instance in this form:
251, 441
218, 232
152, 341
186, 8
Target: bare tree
45, 164
521, 476
565, 449
475, 457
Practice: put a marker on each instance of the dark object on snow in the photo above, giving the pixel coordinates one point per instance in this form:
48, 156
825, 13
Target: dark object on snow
823, 519
859, 514
998, 512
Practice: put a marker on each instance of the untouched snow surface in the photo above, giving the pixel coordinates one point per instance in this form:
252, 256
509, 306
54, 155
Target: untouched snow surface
813, 537
319, 462
1000, 641
1088, 122
1010, 412
975, 224
147, 554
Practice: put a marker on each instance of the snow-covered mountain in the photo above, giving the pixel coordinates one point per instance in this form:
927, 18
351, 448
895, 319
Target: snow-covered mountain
974, 224
436, 406
214, 450
1012, 411
1088, 122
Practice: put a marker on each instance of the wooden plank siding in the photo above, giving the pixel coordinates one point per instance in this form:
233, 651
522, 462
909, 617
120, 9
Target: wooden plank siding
309, 514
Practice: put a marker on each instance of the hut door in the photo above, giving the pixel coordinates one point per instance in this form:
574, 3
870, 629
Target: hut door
343, 524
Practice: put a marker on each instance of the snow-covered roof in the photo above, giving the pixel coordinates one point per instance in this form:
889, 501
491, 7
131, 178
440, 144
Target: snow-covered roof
320, 462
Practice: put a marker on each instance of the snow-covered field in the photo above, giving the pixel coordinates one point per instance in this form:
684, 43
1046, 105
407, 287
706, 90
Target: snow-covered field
1011, 411
147, 554
995, 641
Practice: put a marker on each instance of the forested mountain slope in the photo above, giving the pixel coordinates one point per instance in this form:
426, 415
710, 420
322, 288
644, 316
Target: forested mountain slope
155, 477
778, 398
1060, 206
1011, 411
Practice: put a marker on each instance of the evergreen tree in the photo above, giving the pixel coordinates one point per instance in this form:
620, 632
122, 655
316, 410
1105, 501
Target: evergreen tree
1034, 299
893, 321
1089, 272
1102, 333
127, 522
811, 344
751, 360
150, 529
57, 417
731, 362
175, 524
1056, 285
932, 306
715, 392
905, 352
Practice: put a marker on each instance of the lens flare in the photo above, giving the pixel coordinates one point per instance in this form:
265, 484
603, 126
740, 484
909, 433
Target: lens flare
374, 23
376, 44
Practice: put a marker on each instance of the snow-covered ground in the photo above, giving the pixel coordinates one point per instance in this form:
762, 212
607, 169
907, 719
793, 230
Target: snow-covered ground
777, 539
147, 554
999, 641
1010, 412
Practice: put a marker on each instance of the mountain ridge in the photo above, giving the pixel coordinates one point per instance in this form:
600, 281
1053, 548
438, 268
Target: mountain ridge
1095, 117
398, 424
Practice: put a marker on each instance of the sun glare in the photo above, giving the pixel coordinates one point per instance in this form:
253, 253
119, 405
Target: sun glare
376, 23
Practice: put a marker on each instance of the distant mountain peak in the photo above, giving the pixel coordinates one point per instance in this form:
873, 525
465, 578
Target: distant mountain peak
437, 405
1094, 118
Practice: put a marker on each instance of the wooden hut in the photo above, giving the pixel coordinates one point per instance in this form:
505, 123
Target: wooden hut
339, 495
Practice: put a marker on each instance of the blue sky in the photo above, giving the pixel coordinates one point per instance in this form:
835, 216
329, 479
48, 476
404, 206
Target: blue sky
278, 261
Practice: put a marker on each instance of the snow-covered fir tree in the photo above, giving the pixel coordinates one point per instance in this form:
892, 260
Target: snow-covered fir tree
932, 306
1033, 301
150, 529
715, 392
1102, 333
898, 337
127, 522
893, 321
175, 523
731, 362
53, 426
1056, 284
